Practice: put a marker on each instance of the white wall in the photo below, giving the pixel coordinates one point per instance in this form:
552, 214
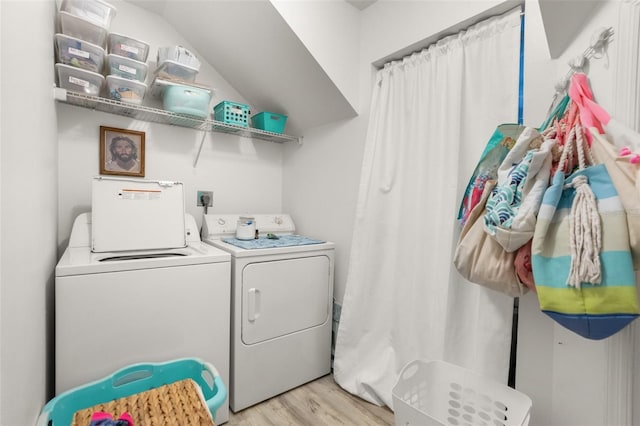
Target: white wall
28, 183
335, 47
0, 214
322, 176
552, 362
245, 175
317, 181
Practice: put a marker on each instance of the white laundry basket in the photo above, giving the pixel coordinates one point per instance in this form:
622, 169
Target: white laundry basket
430, 393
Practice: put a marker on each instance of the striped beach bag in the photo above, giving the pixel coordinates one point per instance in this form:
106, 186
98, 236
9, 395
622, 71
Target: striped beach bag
581, 259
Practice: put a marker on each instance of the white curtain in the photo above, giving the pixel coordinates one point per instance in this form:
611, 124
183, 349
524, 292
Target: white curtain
431, 115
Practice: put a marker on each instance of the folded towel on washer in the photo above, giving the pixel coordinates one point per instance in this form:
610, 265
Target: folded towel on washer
263, 242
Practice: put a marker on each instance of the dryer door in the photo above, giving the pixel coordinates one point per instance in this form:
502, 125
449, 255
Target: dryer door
284, 296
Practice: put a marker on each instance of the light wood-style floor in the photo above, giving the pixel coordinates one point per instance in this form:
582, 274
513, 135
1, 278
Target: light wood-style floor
321, 402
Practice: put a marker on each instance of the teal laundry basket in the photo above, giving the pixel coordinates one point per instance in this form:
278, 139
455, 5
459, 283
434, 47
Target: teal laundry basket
132, 380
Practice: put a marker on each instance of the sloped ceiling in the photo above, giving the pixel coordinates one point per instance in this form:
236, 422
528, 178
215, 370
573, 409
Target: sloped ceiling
255, 50
361, 4
563, 19
250, 44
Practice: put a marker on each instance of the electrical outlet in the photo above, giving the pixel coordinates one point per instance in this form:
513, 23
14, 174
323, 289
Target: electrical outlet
205, 198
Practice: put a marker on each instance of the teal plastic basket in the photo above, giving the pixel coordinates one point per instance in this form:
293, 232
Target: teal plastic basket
232, 113
135, 379
269, 121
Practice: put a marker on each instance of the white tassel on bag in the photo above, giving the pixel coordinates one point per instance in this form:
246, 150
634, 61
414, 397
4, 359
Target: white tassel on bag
585, 230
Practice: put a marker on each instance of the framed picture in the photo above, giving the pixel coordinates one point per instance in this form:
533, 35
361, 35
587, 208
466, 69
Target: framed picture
121, 152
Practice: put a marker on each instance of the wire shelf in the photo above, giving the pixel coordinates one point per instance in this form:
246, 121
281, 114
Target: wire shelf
155, 115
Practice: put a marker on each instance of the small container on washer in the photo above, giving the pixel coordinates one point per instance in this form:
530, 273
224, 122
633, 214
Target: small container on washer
246, 228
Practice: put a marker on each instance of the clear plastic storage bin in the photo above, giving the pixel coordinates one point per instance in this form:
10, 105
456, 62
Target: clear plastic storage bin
126, 68
125, 90
128, 47
83, 29
79, 80
174, 71
97, 11
79, 53
179, 55
435, 393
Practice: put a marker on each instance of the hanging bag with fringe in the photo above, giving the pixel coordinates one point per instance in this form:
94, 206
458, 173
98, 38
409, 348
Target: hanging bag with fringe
618, 148
581, 260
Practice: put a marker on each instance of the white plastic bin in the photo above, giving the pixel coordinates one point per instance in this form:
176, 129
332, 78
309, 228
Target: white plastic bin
126, 68
128, 47
125, 90
96, 11
83, 29
436, 393
179, 55
79, 80
79, 53
174, 71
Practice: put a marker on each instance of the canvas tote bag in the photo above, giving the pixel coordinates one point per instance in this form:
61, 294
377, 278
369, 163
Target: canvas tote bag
481, 259
617, 149
624, 176
581, 260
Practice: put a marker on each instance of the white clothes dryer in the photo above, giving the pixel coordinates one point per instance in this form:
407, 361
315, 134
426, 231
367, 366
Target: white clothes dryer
121, 307
281, 306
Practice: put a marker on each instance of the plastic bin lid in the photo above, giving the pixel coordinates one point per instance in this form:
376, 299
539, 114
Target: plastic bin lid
79, 20
113, 56
102, 2
124, 36
176, 63
82, 28
84, 42
118, 79
70, 68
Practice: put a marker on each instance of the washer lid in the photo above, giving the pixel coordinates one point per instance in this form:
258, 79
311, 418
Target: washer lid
136, 214
82, 261
79, 259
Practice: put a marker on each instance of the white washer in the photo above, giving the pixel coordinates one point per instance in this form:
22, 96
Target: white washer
118, 308
281, 306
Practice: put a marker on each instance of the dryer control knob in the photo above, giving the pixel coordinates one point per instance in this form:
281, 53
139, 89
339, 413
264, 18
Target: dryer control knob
278, 220
221, 221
